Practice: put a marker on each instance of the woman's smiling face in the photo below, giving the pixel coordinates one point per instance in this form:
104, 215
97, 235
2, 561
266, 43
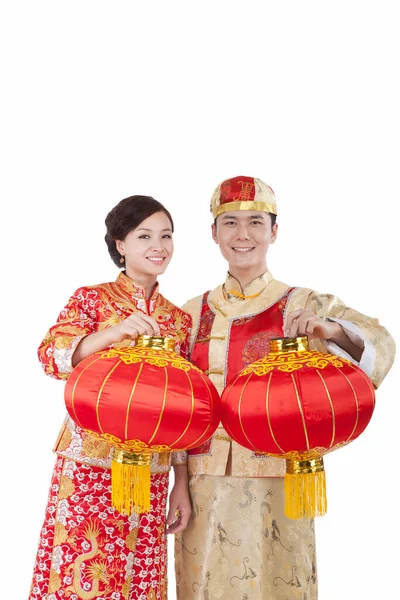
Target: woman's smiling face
148, 249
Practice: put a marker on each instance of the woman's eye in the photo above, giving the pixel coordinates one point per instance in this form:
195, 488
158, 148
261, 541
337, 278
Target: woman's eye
168, 236
144, 237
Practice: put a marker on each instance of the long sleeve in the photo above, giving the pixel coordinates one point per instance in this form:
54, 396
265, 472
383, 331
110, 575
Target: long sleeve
367, 333
76, 320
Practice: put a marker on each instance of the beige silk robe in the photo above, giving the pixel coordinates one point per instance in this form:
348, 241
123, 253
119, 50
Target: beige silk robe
239, 545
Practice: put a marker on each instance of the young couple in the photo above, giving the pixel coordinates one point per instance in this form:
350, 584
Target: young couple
227, 503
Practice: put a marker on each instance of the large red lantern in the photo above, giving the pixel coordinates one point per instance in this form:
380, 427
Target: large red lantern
298, 404
141, 399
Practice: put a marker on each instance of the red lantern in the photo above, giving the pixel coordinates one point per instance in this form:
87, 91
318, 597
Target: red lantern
141, 399
298, 404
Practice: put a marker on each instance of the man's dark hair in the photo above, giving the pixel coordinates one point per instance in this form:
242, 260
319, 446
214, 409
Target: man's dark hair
128, 214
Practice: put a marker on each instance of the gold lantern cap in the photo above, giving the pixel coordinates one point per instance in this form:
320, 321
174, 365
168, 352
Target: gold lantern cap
155, 342
297, 344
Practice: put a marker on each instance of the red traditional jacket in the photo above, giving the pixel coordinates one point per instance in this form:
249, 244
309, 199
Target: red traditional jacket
92, 309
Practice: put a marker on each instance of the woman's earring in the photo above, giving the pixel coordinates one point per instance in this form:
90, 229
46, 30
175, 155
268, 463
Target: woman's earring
122, 260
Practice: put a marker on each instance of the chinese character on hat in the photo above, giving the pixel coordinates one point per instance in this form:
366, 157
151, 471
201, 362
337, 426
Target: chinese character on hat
243, 193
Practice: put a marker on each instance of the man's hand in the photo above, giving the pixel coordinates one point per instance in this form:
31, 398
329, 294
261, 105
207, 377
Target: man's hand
305, 322
179, 502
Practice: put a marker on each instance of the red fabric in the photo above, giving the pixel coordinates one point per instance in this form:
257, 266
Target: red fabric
298, 402
199, 354
248, 341
96, 307
237, 189
154, 396
88, 550
248, 336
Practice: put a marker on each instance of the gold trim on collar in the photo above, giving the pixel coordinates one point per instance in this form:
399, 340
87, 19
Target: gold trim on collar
243, 296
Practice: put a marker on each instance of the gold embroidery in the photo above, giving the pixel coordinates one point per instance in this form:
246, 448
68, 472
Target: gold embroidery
125, 588
95, 448
63, 440
131, 539
163, 459
135, 355
60, 534
54, 582
98, 569
64, 341
293, 361
67, 488
132, 445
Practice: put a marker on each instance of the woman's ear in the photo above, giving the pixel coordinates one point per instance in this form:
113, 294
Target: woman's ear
119, 244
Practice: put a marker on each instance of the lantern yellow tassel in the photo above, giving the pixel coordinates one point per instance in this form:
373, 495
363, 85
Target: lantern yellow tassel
305, 489
130, 482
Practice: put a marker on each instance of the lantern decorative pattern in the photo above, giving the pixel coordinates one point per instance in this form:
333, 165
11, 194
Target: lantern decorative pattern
141, 399
298, 404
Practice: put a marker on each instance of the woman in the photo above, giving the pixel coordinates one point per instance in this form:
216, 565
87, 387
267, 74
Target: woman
87, 549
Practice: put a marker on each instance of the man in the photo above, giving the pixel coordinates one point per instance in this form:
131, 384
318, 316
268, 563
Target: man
238, 544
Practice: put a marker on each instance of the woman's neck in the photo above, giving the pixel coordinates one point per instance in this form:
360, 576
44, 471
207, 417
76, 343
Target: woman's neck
148, 282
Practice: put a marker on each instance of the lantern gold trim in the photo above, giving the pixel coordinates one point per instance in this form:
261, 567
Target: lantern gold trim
130, 471
305, 481
130, 477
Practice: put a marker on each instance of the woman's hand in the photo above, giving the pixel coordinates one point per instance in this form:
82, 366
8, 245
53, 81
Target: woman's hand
179, 502
136, 324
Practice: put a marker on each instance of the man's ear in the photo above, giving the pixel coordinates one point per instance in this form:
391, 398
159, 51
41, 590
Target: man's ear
274, 232
214, 233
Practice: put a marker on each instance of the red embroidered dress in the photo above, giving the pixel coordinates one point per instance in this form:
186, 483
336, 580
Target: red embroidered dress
87, 550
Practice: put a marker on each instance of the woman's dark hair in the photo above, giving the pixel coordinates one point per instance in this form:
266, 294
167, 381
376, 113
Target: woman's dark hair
127, 215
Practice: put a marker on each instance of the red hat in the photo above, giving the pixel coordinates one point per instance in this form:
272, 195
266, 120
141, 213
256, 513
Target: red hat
243, 193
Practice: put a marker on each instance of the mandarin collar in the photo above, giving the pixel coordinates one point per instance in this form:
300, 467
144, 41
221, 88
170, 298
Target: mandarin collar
135, 289
233, 290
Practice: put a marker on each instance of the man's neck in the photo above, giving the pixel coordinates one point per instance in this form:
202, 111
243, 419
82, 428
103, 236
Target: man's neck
246, 276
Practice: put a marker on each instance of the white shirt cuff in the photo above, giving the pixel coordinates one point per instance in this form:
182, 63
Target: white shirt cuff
355, 334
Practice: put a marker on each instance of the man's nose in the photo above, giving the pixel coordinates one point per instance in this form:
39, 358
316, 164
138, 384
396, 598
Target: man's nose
242, 233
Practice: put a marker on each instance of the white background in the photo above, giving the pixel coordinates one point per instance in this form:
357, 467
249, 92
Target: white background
101, 100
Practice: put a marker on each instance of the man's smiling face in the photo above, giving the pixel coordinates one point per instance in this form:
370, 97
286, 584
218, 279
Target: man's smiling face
244, 237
